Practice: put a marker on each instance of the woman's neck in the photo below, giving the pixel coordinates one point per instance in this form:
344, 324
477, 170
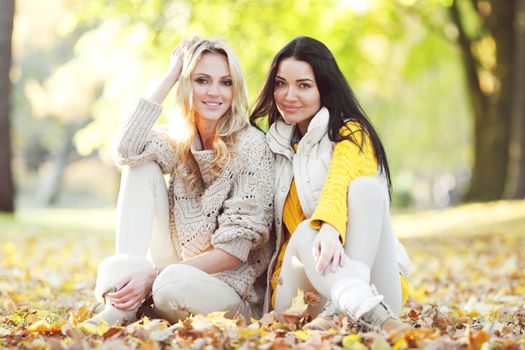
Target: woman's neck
206, 130
303, 126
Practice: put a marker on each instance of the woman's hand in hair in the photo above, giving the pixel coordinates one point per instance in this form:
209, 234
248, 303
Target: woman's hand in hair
174, 70
177, 61
131, 292
327, 249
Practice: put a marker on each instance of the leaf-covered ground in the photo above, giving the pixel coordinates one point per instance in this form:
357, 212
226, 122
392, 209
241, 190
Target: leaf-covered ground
468, 288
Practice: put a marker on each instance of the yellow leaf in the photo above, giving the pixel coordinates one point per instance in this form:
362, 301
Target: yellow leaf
38, 326
400, 344
201, 322
301, 335
43, 326
250, 332
80, 316
350, 340
9, 248
298, 305
94, 329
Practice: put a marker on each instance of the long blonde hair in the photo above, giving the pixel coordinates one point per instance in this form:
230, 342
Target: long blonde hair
229, 125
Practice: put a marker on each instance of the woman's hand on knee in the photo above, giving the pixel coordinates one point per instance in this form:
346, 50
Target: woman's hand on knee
327, 249
131, 292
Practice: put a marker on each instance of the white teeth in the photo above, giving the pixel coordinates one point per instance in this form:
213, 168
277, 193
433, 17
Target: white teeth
212, 103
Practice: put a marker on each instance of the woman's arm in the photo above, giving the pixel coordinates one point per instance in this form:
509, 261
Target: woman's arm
136, 141
214, 261
348, 163
174, 69
331, 214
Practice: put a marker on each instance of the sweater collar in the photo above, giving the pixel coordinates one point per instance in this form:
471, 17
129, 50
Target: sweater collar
280, 134
204, 159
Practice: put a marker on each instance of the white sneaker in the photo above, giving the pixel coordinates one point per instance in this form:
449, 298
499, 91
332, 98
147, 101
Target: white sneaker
354, 297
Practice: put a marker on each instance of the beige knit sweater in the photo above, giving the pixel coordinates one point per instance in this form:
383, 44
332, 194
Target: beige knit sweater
232, 211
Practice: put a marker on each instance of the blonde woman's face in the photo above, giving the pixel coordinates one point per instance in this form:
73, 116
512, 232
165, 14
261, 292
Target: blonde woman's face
212, 87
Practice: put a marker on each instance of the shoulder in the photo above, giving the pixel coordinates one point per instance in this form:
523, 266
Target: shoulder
356, 131
351, 126
252, 150
251, 139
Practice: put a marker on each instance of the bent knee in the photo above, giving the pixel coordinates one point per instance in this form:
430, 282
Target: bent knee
303, 235
366, 189
149, 167
172, 282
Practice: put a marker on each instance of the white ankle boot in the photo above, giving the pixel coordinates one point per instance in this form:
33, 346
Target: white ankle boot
111, 271
112, 316
354, 295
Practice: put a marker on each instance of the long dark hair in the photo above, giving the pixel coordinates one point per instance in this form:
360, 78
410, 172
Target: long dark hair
336, 96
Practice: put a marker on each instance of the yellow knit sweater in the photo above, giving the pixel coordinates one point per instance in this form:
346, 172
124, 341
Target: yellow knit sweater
349, 162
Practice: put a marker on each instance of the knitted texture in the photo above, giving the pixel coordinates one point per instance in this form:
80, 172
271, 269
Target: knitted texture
232, 211
348, 163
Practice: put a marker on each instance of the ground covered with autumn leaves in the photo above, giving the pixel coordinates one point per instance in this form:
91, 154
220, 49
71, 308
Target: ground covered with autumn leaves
468, 288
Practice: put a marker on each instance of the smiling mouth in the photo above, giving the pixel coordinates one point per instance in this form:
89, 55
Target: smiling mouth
291, 108
212, 104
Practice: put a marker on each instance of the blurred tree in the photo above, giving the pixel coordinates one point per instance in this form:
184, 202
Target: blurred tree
516, 179
490, 37
395, 64
54, 93
7, 191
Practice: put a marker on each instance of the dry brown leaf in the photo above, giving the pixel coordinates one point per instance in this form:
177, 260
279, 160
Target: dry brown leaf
476, 339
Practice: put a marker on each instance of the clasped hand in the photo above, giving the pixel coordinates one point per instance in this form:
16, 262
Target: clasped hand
131, 292
327, 249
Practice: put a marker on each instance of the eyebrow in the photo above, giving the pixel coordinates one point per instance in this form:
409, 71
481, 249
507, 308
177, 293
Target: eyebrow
298, 80
209, 76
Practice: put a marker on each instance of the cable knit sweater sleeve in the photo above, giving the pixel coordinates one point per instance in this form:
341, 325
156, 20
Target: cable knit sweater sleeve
137, 141
247, 216
348, 163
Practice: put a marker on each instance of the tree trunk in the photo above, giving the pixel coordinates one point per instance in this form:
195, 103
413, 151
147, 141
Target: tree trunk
516, 180
491, 106
51, 183
7, 190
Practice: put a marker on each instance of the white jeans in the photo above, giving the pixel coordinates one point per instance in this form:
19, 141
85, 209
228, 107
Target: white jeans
143, 230
369, 239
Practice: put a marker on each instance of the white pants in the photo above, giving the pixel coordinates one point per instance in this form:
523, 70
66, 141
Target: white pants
369, 239
143, 230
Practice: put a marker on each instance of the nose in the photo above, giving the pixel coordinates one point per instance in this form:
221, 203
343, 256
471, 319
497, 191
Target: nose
290, 93
213, 89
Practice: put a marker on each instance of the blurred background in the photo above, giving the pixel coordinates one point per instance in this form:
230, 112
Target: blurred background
443, 82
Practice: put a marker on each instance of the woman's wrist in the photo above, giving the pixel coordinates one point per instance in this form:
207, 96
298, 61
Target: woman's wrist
162, 90
329, 231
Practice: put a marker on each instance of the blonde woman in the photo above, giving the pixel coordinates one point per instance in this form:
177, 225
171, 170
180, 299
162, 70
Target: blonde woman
206, 236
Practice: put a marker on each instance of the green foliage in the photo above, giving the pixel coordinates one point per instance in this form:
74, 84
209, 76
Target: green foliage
407, 76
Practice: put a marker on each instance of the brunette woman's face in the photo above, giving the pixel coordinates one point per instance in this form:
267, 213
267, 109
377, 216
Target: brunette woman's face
212, 87
295, 92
